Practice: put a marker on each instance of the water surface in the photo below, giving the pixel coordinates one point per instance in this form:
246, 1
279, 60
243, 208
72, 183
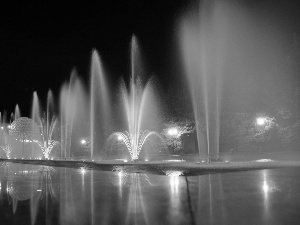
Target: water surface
32, 194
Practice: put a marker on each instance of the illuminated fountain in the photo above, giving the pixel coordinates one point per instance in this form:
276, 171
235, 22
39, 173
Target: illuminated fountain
73, 113
6, 147
23, 131
133, 142
46, 123
99, 105
203, 36
4, 138
140, 105
81, 113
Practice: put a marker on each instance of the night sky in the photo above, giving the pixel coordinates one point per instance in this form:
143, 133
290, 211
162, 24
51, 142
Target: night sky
41, 43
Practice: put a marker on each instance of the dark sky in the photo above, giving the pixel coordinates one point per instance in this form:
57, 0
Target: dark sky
41, 43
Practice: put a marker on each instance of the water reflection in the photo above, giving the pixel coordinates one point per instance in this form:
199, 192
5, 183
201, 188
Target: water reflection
175, 201
174, 183
46, 195
136, 204
47, 205
24, 192
268, 185
22, 183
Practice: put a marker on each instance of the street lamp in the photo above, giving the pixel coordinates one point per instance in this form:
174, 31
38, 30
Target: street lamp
261, 121
120, 138
173, 131
83, 141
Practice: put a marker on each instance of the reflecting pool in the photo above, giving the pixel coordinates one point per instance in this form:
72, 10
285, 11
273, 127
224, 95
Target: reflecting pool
31, 194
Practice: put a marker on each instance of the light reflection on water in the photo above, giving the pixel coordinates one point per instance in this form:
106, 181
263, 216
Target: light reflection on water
46, 195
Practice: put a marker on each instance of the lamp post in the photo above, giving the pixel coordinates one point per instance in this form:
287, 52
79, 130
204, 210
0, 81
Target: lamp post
263, 124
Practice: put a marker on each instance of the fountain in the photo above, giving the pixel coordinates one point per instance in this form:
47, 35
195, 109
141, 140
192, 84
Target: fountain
202, 42
92, 117
99, 105
46, 123
73, 105
140, 105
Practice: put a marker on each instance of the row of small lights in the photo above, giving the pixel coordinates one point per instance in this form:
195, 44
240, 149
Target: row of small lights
9, 126
125, 160
38, 158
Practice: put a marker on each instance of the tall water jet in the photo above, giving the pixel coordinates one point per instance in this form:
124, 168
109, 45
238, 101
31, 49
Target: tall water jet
66, 116
17, 113
99, 104
4, 137
35, 115
140, 106
229, 51
11, 119
202, 42
73, 105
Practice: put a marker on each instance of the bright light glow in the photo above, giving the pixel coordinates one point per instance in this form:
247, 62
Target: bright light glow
9, 126
174, 182
174, 160
125, 160
120, 138
146, 160
261, 121
83, 141
82, 171
265, 187
1, 128
263, 160
39, 190
173, 131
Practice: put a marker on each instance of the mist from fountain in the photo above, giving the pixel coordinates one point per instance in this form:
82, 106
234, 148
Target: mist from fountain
73, 105
203, 35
